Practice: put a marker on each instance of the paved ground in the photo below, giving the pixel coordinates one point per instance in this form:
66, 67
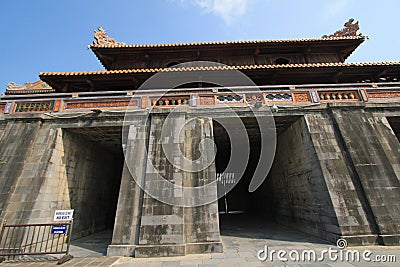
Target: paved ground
242, 241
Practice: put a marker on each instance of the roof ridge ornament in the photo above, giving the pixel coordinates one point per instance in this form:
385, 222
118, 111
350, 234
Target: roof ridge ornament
350, 29
101, 38
28, 86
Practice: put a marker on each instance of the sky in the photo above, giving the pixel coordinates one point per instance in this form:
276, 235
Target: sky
48, 35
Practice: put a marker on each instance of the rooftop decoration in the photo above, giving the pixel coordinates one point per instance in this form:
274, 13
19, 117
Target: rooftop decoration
350, 29
28, 87
101, 38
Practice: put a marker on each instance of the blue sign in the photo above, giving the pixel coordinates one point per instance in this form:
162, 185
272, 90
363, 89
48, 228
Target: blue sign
59, 229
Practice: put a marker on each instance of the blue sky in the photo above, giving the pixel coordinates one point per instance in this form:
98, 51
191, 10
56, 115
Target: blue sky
48, 35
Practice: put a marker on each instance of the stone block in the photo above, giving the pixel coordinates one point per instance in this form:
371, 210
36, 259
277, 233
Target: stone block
121, 250
160, 251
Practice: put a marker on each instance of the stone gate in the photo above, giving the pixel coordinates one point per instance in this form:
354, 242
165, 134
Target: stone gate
335, 173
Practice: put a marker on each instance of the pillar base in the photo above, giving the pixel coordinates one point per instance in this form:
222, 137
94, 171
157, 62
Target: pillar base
121, 250
147, 251
361, 240
391, 240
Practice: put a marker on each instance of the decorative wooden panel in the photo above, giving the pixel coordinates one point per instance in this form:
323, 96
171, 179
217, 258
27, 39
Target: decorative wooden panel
301, 97
338, 96
230, 99
106, 103
44, 106
254, 98
207, 100
57, 106
2, 108
364, 95
169, 101
278, 97
144, 102
384, 94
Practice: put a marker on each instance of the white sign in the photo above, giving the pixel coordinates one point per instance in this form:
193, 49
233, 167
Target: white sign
63, 215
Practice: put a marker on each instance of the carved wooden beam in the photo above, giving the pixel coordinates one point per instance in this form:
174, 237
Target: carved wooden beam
135, 83
91, 84
307, 52
65, 88
273, 77
383, 72
337, 76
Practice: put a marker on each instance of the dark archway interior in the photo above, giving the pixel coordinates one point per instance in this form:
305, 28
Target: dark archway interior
293, 191
93, 160
239, 200
395, 124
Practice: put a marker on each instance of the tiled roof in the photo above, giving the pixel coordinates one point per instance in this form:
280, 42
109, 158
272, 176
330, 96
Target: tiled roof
216, 68
119, 45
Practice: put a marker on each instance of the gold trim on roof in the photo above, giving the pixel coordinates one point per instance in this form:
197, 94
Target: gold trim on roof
216, 68
122, 45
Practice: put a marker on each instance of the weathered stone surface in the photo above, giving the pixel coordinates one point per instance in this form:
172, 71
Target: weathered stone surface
25, 150
374, 154
296, 185
47, 168
127, 221
164, 226
351, 214
336, 174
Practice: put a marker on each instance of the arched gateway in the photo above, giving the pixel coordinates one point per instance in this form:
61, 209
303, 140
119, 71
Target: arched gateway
335, 173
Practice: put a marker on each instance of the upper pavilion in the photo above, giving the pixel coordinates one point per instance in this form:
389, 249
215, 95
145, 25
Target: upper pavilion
266, 62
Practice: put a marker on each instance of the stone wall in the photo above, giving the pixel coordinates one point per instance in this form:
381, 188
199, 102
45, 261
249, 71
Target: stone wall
350, 209
295, 190
25, 149
374, 157
2, 127
44, 169
336, 175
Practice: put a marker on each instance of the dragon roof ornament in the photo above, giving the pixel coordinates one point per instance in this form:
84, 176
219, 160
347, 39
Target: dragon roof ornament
28, 88
101, 38
350, 29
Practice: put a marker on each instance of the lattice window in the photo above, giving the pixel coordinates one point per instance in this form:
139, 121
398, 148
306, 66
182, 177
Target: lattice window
34, 106
229, 99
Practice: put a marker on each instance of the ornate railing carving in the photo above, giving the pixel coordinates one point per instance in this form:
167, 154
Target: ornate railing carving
338, 96
207, 100
383, 94
229, 99
254, 98
290, 97
44, 106
278, 97
106, 103
170, 101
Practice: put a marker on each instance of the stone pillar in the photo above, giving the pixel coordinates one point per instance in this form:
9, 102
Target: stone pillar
162, 225
374, 156
352, 213
129, 208
168, 230
147, 227
202, 234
